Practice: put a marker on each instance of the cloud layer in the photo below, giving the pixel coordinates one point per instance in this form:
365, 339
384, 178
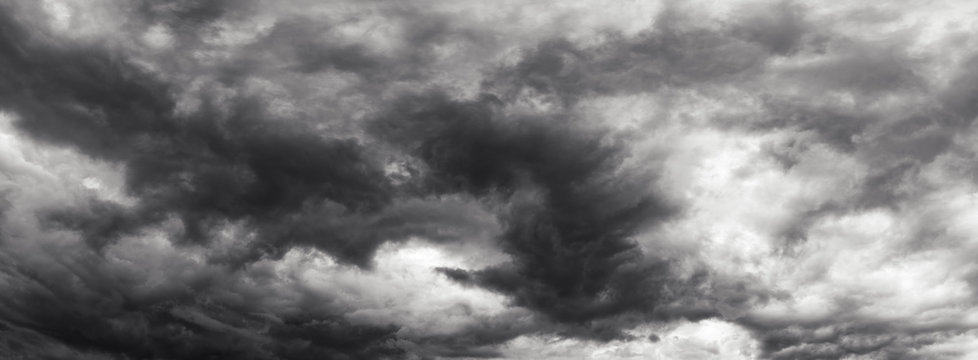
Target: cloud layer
379, 180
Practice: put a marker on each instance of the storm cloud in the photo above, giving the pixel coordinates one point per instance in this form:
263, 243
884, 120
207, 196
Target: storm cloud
381, 180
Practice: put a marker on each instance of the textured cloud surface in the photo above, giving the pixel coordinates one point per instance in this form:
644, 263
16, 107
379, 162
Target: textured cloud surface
300, 179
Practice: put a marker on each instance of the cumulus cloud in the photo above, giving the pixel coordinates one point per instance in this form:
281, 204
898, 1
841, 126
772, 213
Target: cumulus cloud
380, 180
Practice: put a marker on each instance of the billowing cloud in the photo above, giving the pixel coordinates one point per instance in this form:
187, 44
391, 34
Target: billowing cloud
381, 180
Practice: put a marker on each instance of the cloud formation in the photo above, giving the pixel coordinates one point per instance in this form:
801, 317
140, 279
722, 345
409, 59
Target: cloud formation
350, 180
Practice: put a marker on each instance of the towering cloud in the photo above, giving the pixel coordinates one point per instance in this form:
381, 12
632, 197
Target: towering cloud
381, 180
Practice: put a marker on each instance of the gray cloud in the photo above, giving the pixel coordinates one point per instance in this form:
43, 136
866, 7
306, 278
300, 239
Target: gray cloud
215, 179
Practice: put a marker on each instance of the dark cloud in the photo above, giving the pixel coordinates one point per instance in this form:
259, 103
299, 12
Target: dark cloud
91, 312
229, 162
572, 213
865, 71
959, 98
99, 222
676, 52
310, 45
252, 145
188, 11
840, 339
780, 28
313, 46
203, 168
475, 341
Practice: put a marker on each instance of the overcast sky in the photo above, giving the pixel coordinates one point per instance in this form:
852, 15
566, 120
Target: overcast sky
488, 179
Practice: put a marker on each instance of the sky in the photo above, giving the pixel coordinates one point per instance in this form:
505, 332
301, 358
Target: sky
299, 179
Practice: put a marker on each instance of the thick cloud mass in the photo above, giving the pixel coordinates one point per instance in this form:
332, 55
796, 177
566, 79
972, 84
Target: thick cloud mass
571, 215
381, 180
